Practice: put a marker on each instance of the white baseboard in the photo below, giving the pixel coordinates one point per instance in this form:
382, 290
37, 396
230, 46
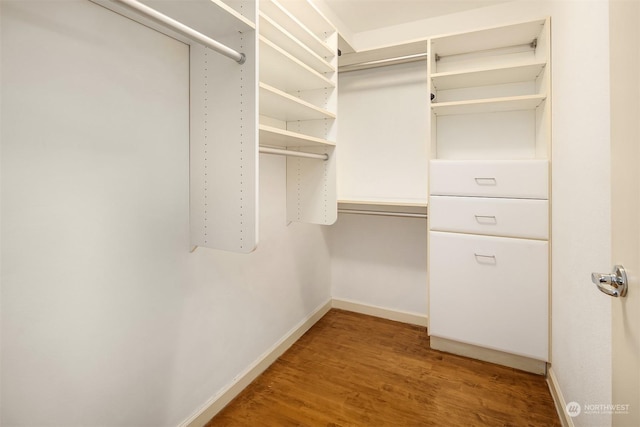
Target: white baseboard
219, 401
522, 363
385, 313
558, 399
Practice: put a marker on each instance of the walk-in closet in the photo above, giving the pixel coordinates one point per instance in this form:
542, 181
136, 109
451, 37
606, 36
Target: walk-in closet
318, 212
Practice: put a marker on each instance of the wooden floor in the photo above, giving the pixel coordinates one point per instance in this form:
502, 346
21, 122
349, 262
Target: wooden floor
356, 370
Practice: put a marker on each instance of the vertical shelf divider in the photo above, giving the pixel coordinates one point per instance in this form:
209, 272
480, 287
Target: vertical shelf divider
224, 148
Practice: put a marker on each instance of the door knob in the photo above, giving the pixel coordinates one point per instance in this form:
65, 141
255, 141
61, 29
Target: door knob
614, 284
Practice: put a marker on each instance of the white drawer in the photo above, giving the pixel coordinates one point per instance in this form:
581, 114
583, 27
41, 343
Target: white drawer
490, 292
492, 216
528, 179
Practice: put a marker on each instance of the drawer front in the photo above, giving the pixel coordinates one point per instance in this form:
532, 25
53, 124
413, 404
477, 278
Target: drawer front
528, 179
491, 216
490, 292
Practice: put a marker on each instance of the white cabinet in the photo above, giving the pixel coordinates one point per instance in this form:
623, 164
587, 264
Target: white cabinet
489, 292
489, 189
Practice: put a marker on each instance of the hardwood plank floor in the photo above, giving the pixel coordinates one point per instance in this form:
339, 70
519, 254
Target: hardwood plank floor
355, 370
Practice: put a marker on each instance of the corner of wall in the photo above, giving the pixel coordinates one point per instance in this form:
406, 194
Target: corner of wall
558, 399
227, 394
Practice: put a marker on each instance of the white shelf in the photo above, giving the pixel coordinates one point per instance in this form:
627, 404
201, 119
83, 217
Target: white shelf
492, 105
278, 35
310, 16
282, 106
487, 39
487, 76
274, 137
280, 69
213, 18
300, 31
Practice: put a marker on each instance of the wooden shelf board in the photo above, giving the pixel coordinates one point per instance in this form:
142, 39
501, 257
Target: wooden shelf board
275, 137
283, 106
492, 105
281, 37
487, 76
281, 70
278, 13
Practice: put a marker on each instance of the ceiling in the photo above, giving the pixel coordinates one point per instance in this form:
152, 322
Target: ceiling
365, 15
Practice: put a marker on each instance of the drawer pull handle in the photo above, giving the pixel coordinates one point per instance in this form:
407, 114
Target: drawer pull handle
485, 259
486, 181
486, 219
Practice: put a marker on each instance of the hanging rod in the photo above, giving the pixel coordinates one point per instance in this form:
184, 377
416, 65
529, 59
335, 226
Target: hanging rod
382, 213
281, 152
240, 58
383, 62
531, 45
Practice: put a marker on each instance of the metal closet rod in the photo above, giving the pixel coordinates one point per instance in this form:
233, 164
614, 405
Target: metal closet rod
240, 58
382, 213
292, 153
531, 45
382, 62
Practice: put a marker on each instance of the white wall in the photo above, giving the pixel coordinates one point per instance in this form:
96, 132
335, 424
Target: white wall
380, 262
383, 134
581, 318
377, 261
107, 319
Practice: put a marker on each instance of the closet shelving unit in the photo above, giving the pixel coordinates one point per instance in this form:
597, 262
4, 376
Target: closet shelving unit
385, 205
234, 115
489, 194
223, 112
298, 102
